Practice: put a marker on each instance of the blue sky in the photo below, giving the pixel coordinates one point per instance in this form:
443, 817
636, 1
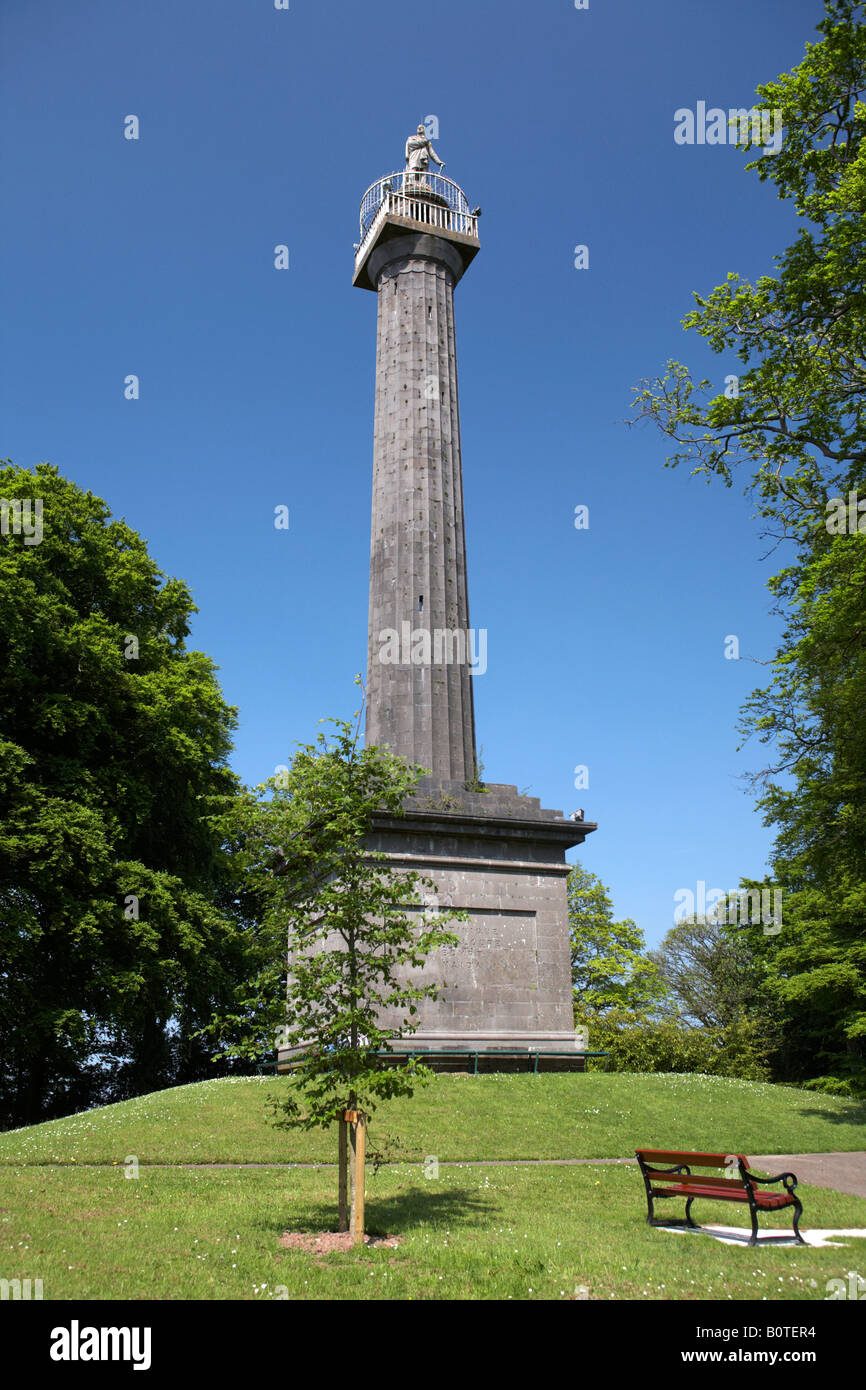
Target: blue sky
156, 257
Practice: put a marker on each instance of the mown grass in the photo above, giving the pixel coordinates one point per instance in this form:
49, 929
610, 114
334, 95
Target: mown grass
457, 1118
470, 1233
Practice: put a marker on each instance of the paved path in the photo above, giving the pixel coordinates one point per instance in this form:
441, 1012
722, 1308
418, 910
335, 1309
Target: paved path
844, 1172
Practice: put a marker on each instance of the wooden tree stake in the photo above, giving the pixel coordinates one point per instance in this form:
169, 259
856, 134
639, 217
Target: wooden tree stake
343, 1166
359, 1153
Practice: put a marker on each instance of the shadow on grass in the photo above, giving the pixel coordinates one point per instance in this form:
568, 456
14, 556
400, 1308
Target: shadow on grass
452, 1207
856, 1115
393, 1215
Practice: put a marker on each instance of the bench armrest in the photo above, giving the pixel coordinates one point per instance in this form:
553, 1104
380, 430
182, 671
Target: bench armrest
663, 1172
789, 1180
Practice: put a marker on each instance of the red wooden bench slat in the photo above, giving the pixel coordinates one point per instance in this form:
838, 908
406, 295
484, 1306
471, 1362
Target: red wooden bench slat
696, 1179
740, 1195
697, 1160
769, 1201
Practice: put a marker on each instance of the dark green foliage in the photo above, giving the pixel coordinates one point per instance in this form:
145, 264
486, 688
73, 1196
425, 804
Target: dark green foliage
112, 938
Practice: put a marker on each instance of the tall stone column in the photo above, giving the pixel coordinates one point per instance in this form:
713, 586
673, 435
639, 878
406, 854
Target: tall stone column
419, 687
492, 852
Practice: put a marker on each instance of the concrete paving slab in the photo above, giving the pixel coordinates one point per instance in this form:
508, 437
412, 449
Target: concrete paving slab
843, 1172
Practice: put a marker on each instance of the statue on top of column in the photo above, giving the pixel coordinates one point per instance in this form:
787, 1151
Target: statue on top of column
419, 152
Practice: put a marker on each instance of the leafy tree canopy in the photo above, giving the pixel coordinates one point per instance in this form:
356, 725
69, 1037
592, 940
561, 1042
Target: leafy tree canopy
113, 746
710, 970
609, 968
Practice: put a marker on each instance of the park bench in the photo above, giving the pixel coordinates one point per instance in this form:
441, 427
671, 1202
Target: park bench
680, 1181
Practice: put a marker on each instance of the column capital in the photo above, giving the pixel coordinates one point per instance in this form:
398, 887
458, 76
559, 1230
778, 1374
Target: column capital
417, 244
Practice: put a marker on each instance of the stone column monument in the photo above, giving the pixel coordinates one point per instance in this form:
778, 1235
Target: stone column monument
493, 852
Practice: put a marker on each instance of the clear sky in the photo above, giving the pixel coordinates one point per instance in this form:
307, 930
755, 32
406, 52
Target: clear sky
155, 257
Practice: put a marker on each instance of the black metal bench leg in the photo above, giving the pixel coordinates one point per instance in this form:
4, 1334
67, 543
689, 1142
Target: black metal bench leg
798, 1212
753, 1240
689, 1222
649, 1219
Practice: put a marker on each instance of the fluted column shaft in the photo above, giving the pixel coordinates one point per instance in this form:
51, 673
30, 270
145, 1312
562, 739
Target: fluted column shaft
419, 702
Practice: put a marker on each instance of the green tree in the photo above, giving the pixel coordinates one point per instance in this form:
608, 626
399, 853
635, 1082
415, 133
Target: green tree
797, 421
339, 938
117, 932
609, 968
710, 971
812, 714
797, 414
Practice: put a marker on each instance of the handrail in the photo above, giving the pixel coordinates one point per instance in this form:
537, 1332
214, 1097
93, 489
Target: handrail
411, 183
429, 199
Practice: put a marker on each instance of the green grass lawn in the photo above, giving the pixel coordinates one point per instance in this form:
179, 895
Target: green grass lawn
70, 1217
472, 1233
460, 1117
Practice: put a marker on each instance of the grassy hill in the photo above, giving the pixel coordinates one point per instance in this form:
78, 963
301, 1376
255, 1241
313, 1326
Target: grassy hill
459, 1118
70, 1219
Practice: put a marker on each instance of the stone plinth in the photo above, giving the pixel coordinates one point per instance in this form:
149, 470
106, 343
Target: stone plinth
500, 857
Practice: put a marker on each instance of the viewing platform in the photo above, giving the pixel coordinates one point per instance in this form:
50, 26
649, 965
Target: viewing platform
407, 201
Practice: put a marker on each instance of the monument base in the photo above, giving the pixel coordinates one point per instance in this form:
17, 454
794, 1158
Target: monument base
505, 992
500, 857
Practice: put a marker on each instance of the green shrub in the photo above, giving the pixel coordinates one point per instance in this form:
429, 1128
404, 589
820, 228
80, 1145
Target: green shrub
639, 1044
836, 1086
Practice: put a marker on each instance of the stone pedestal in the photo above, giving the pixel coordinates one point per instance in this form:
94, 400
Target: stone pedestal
500, 857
